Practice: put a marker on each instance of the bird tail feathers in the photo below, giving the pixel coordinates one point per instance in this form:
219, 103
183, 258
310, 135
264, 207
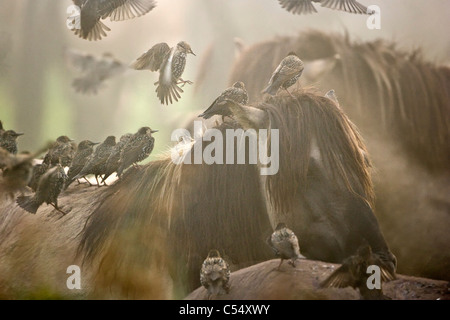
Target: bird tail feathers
28, 203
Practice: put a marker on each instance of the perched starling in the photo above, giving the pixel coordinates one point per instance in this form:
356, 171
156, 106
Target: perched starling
332, 96
81, 157
38, 172
285, 245
306, 6
286, 74
96, 162
49, 187
95, 70
353, 273
235, 93
91, 11
137, 149
215, 274
62, 151
171, 63
8, 140
112, 164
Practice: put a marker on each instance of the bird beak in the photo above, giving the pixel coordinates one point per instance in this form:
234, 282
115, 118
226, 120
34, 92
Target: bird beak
192, 52
153, 131
95, 143
19, 134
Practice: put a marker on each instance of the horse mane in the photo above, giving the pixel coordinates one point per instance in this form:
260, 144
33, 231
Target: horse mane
383, 88
300, 120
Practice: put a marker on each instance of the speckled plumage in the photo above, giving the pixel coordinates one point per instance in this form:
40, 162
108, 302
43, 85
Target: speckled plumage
171, 63
284, 243
306, 6
137, 149
49, 188
353, 273
95, 163
286, 74
62, 151
38, 171
215, 274
81, 157
236, 93
113, 162
8, 141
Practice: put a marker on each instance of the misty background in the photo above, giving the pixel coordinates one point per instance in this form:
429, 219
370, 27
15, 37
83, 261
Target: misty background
36, 96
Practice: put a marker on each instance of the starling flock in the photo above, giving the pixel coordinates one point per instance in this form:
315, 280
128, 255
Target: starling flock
48, 178
215, 274
306, 6
170, 62
91, 11
284, 244
353, 273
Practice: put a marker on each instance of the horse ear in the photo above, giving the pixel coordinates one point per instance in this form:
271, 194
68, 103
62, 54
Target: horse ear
316, 69
249, 117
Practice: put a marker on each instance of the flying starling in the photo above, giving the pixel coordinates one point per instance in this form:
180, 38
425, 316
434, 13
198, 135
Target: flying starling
96, 162
96, 70
137, 149
91, 11
285, 245
215, 274
38, 171
171, 63
8, 141
306, 6
49, 187
236, 93
81, 157
286, 74
62, 151
353, 273
16, 172
112, 164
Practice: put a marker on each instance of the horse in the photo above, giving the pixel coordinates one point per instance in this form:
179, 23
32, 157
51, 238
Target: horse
166, 216
401, 104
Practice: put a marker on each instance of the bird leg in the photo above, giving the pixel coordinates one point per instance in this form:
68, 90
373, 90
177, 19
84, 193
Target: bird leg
183, 82
90, 184
289, 92
281, 261
55, 205
96, 179
292, 262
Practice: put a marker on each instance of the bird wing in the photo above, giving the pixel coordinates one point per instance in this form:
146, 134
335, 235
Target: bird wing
340, 278
282, 74
80, 60
118, 10
132, 152
298, 6
153, 58
351, 6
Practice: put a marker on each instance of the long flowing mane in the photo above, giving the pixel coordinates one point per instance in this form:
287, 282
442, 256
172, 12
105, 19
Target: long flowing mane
383, 88
167, 217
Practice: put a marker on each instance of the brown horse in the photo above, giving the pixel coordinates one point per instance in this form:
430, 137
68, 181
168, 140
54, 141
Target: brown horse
401, 104
167, 216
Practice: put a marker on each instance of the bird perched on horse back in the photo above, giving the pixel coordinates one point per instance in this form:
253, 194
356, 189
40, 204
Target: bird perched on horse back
8, 140
236, 93
49, 187
285, 245
286, 74
113, 162
91, 11
171, 63
306, 6
354, 273
95, 163
81, 157
215, 274
137, 149
62, 151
